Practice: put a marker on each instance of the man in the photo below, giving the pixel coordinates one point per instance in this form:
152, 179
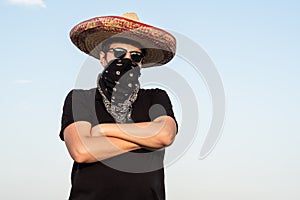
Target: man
116, 133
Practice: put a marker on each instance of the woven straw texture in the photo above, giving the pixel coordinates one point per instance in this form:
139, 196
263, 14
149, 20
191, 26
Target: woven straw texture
159, 44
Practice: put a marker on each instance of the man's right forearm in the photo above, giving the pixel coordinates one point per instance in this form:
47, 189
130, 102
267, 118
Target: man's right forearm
102, 147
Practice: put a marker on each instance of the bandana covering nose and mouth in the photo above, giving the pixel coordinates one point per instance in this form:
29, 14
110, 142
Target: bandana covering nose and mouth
118, 84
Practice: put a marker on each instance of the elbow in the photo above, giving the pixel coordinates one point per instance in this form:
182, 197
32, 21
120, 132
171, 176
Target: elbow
168, 142
168, 136
168, 133
167, 139
80, 156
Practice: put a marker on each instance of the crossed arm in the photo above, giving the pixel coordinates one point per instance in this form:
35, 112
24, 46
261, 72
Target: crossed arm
90, 144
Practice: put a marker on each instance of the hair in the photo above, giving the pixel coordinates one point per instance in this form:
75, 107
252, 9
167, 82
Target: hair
106, 44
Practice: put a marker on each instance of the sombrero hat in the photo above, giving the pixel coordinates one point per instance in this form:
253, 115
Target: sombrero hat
160, 46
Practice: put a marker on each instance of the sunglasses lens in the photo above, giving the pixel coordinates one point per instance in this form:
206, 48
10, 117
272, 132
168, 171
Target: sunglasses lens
119, 52
136, 56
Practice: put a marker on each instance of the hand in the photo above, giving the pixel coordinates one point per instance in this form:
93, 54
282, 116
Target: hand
97, 130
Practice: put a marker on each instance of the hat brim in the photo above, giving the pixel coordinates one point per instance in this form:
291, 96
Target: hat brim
160, 46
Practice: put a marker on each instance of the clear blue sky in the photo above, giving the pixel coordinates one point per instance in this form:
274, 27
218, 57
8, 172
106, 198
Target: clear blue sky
255, 47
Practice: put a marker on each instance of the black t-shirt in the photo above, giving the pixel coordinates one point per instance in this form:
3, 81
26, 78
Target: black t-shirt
135, 175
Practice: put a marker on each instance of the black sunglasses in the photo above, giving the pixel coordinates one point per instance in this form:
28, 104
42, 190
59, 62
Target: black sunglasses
120, 53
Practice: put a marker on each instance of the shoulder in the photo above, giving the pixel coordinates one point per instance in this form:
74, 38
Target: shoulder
81, 93
155, 95
152, 91
80, 96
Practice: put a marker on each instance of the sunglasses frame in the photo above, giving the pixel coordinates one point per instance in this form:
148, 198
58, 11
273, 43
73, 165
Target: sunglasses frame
120, 53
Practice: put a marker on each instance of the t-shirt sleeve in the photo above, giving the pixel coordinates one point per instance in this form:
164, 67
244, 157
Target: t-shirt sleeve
161, 105
74, 109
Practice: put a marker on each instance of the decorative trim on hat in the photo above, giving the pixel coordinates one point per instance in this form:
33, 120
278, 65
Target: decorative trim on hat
160, 45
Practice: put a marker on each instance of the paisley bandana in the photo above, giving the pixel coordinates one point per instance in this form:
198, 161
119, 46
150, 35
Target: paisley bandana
118, 84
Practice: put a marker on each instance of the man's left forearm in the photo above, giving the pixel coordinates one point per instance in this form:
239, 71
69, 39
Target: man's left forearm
156, 134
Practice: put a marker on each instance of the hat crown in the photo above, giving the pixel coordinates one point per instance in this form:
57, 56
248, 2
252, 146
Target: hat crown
160, 46
131, 15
